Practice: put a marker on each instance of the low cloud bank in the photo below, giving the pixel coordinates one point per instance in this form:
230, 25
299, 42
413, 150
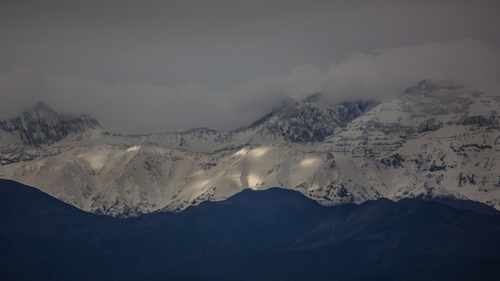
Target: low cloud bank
145, 107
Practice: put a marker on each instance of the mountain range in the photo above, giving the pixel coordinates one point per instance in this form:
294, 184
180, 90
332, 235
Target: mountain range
435, 140
276, 234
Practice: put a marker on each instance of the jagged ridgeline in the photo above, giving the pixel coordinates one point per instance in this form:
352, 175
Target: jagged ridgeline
436, 139
43, 126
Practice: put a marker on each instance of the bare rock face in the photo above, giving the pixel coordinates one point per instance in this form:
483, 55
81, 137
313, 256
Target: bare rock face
311, 120
41, 125
436, 139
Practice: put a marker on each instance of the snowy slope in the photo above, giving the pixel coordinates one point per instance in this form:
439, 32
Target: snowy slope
28, 135
435, 139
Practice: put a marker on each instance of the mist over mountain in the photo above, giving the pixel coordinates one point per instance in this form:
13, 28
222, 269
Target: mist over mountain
223, 64
249, 140
436, 139
377, 75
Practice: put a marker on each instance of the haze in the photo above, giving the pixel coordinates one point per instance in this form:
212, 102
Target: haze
142, 66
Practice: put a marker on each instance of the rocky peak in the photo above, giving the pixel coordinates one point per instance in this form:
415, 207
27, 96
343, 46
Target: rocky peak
349, 110
42, 109
41, 125
428, 86
312, 119
314, 98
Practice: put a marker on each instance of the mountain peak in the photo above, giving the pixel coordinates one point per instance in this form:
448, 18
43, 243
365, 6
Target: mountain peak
427, 86
314, 98
41, 106
41, 125
42, 111
312, 119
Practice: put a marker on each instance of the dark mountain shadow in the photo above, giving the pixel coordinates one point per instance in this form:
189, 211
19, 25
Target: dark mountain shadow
267, 235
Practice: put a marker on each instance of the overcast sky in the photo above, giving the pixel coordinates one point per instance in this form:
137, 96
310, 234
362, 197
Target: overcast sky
141, 66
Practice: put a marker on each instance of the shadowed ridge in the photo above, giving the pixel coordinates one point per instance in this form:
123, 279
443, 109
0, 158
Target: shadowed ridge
27, 209
260, 218
22, 199
271, 197
273, 234
473, 206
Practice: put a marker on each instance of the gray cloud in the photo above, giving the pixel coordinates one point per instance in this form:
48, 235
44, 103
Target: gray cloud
161, 65
390, 71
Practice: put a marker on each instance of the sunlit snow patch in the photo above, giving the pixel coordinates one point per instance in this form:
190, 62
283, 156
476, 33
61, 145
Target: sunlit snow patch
96, 158
308, 162
259, 151
133, 148
201, 184
241, 152
254, 181
96, 161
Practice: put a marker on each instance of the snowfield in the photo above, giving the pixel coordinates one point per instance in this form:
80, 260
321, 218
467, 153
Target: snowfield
437, 139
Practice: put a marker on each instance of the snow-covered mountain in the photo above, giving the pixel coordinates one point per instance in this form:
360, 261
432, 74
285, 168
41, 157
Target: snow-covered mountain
436, 139
22, 137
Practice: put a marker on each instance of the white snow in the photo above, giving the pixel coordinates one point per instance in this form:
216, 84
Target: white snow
133, 148
383, 153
